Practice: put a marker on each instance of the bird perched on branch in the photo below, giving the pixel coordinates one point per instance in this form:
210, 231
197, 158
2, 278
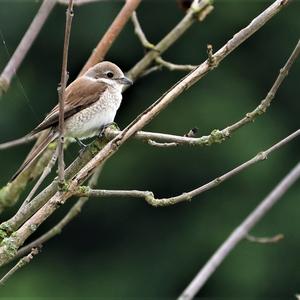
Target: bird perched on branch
91, 103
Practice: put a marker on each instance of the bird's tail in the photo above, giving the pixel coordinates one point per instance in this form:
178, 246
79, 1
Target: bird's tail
36, 151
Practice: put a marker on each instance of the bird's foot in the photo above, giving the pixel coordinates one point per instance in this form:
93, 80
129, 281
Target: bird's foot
102, 128
81, 145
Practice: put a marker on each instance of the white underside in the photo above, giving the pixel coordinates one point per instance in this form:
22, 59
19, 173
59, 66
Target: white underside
88, 122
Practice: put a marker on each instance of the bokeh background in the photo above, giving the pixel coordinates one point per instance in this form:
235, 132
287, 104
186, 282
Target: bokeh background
123, 248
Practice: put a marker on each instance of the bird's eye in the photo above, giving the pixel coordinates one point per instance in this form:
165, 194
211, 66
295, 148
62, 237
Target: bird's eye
110, 74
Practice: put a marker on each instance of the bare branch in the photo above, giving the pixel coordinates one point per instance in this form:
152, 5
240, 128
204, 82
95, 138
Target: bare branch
45, 173
197, 9
21, 263
10, 193
61, 94
240, 233
265, 103
11, 244
23, 140
7, 227
265, 240
150, 70
72, 213
139, 32
25, 44
111, 34
187, 196
174, 67
77, 2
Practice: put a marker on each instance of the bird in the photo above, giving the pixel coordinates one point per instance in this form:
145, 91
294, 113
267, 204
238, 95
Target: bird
91, 103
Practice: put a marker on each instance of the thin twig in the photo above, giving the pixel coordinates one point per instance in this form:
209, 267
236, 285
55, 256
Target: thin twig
21, 141
150, 70
199, 8
72, 213
111, 34
140, 33
174, 67
61, 94
77, 2
264, 240
240, 233
187, 196
11, 244
265, 103
45, 173
25, 44
21, 263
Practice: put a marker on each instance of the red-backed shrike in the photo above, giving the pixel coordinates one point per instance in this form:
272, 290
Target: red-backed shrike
91, 102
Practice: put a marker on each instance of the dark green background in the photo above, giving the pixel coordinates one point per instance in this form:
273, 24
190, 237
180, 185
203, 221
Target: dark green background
123, 248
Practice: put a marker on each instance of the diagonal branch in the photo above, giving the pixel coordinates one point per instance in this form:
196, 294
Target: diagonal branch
21, 263
72, 213
140, 33
240, 233
111, 34
25, 44
174, 67
187, 196
197, 9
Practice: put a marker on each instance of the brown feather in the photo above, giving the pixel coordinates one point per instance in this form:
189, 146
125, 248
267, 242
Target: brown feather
33, 155
80, 94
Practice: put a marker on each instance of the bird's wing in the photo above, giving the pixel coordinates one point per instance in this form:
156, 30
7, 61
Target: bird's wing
80, 94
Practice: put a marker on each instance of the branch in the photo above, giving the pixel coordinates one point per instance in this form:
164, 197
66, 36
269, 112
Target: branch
45, 173
265, 240
240, 233
174, 67
265, 103
25, 44
11, 244
21, 263
77, 2
111, 34
72, 213
61, 94
216, 136
187, 196
10, 193
9, 226
140, 33
199, 8
21, 141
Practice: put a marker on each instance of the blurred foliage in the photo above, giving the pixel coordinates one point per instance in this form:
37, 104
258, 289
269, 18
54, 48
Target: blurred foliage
123, 247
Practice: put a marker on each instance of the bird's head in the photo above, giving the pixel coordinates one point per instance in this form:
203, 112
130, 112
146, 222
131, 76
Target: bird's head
109, 74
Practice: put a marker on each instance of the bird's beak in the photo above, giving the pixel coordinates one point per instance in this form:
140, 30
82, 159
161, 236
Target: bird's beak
125, 80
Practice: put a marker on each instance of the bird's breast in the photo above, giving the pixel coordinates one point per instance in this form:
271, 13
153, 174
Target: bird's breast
87, 122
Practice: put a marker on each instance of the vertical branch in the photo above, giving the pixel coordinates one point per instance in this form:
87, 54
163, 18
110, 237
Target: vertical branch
61, 92
111, 34
240, 233
25, 44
